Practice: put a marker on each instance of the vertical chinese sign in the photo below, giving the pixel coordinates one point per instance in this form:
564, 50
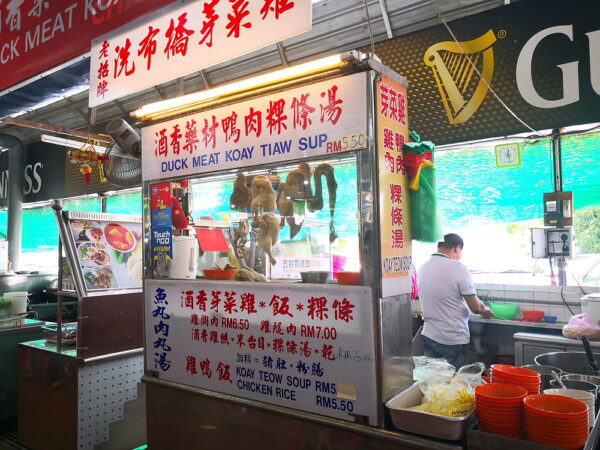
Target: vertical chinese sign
188, 37
396, 237
307, 350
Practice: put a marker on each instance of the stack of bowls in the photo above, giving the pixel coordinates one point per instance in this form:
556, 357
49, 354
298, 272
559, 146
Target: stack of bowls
556, 420
585, 397
526, 378
545, 373
499, 408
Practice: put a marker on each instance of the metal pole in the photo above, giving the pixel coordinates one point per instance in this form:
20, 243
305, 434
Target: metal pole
557, 160
16, 165
57, 206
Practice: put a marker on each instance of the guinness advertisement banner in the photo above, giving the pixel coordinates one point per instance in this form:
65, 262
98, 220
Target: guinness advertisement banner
43, 174
541, 57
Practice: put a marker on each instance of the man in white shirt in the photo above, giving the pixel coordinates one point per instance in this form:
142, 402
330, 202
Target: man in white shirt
447, 295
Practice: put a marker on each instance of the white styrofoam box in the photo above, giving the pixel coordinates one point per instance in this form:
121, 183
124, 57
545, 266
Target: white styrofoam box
542, 288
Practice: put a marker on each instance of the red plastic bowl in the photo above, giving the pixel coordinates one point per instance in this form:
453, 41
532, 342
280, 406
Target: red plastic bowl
533, 316
348, 277
500, 393
516, 373
219, 274
555, 406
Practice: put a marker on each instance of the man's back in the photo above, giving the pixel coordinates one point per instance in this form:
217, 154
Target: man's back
442, 284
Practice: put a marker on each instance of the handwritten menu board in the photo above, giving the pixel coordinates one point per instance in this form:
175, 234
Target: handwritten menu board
304, 346
109, 253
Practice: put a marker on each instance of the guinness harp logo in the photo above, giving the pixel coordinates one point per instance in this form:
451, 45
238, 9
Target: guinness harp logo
461, 88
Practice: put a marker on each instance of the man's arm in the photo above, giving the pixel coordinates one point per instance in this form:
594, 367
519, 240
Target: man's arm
477, 306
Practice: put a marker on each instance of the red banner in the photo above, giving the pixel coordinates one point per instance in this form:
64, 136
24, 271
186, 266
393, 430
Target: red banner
36, 35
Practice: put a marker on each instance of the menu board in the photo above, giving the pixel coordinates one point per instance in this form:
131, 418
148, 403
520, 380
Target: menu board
304, 346
109, 253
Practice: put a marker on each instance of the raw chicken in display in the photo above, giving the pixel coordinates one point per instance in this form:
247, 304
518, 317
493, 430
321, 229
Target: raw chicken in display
263, 195
268, 233
241, 198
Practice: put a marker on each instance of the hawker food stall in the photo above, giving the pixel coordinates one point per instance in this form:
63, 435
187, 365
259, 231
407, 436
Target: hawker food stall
86, 370
277, 277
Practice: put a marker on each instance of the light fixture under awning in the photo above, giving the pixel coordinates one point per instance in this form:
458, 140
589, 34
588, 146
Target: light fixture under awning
326, 66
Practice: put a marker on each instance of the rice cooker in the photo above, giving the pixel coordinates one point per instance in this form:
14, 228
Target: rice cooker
590, 304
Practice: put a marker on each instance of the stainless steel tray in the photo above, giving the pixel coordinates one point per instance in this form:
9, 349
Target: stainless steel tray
432, 425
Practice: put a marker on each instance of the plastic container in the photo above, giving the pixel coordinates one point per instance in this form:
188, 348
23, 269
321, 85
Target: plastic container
348, 277
550, 319
426, 424
504, 311
219, 274
515, 373
586, 397
500, 393
533, 316
19, 301
555, 406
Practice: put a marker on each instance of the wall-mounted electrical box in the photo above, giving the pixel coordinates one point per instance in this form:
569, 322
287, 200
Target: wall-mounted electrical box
551, 242
558, 209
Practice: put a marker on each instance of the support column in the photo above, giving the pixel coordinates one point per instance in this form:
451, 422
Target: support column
16, 163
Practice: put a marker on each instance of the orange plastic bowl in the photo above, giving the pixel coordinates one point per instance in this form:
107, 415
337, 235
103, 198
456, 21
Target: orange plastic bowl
348, 277
500, 393
555, 406
516, 373
219, 274
533, 316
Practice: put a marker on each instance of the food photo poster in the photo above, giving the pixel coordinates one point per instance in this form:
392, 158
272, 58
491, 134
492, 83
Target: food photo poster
109, 253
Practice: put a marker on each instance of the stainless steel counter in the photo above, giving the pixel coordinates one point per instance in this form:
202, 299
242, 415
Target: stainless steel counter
516, 323
71, 352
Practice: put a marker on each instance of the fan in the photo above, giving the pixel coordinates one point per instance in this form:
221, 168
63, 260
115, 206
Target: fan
124, 166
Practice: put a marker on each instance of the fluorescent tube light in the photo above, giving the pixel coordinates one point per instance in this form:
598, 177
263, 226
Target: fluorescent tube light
70, 143
174, 104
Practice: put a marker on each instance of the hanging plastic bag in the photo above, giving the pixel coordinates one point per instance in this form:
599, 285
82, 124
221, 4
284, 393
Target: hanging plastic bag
581, 325
425, 214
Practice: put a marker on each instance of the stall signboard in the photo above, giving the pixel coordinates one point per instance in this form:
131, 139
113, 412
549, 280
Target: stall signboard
293, 347
109, 253
185, 38
527, 65
312, 120
396, 238
38, 35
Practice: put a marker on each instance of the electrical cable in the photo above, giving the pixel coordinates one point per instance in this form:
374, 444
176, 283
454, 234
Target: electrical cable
443, 20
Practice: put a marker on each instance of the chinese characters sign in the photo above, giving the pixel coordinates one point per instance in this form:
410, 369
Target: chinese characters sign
294, 124
299, 348
186, 38
394, 210
36, 35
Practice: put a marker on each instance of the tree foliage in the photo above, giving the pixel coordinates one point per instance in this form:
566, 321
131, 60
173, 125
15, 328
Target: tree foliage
587, 229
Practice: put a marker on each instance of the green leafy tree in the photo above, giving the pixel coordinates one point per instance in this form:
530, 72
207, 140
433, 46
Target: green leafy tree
587, 229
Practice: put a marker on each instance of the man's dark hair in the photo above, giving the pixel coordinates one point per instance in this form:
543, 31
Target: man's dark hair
451, 240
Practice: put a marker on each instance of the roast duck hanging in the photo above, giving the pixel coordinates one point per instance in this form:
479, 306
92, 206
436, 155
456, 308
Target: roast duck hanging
262, 200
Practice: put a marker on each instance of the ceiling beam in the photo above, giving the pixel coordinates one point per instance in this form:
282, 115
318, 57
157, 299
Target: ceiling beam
56, 129
386, 19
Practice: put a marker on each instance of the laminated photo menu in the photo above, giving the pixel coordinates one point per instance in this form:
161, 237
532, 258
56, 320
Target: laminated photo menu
109, 253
